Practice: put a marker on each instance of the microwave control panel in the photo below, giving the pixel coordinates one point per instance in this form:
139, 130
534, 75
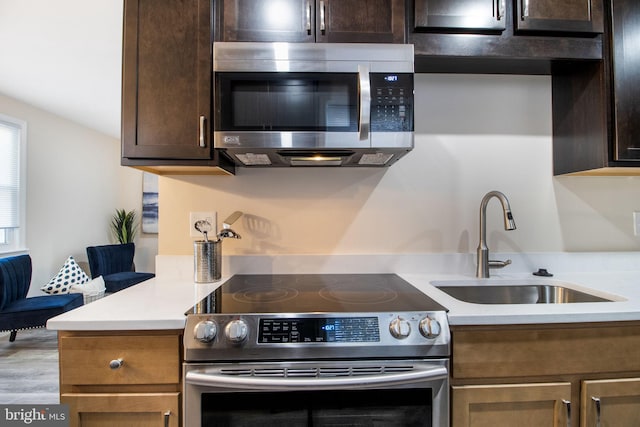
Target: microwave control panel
391, 102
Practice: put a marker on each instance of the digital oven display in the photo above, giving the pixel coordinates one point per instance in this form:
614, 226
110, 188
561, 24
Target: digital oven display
311, 330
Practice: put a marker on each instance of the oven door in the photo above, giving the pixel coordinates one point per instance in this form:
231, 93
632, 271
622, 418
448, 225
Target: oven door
318, 393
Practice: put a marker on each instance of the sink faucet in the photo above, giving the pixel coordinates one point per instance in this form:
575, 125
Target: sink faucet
484, 264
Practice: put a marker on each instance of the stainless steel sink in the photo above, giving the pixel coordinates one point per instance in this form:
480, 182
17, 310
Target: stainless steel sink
524, 292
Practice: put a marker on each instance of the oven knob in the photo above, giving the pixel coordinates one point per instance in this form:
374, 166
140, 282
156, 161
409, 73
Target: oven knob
400, 328
205, 331
236, 331
430, 328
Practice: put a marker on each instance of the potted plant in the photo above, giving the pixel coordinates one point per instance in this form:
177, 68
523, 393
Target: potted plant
124, 226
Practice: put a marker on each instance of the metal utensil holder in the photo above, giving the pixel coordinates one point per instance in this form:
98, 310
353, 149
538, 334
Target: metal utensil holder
207, 261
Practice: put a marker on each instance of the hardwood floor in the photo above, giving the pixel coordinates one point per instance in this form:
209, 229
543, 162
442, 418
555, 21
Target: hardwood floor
29, 368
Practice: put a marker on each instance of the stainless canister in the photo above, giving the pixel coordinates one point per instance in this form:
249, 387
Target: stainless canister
207, 261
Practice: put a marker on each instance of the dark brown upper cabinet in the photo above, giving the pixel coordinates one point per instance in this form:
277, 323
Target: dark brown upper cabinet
572, 16
484, 36
166, 84
326, 21
625, 83
596, 114
465, 15
566, 16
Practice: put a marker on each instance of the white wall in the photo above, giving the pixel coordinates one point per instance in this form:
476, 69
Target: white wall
74, 184
474, 133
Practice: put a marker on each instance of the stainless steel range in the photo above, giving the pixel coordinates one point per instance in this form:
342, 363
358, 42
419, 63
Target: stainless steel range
301, 350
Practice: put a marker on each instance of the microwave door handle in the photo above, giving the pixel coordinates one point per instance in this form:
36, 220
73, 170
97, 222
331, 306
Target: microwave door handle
364, 86
424, 373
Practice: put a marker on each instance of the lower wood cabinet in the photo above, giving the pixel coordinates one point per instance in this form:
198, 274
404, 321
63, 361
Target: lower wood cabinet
121, 378
123, 409
610, 402
546, 375
511, 405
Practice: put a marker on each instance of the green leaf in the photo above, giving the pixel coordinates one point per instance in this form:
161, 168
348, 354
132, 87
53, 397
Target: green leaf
124, 225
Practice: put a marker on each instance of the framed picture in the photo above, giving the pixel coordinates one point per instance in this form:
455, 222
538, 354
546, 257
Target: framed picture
149, 203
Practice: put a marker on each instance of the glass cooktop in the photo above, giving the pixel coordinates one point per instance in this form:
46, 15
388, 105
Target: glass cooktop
305, 293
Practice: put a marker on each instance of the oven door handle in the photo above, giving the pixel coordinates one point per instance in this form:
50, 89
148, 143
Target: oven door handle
422, 373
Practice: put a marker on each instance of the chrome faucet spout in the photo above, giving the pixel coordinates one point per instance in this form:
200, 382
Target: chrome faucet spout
483, 263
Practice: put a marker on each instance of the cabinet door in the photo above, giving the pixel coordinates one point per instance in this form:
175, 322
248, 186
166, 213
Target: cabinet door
339, 21
470, 15
166, 95
123, 409
581, 16
610, 403
267, 20
510, 405
358, 21
626, 78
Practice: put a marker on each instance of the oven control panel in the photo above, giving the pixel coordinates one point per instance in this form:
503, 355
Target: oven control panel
319, 329
247, 336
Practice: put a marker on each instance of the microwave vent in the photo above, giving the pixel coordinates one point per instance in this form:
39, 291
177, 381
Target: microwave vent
252, 159
375, 159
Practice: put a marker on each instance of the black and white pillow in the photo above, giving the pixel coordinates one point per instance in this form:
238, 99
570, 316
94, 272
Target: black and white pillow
70, 274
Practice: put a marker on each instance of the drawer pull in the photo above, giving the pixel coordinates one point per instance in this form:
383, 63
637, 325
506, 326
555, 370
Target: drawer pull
167, 416
116, 363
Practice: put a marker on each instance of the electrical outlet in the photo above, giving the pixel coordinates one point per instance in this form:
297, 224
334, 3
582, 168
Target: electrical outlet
202, 216
636, 223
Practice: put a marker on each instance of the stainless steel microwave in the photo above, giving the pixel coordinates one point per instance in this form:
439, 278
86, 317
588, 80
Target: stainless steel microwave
313, 104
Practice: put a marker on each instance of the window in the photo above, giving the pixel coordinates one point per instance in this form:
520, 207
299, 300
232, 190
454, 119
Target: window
12, 183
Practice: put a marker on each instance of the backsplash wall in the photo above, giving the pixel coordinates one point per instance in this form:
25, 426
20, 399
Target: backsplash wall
474, 133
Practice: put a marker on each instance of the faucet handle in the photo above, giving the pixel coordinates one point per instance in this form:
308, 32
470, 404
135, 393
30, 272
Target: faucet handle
498, 264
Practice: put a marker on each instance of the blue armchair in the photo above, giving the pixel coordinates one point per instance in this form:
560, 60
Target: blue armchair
115, 264
19, 312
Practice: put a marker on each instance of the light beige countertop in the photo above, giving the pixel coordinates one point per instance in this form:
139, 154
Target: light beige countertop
161, 303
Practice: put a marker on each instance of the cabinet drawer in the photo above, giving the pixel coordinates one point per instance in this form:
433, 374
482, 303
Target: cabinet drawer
537, 350
144, 359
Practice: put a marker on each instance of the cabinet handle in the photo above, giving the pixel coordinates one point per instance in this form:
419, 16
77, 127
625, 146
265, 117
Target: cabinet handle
525, 9
116, 363
309, 18
202, 133
499, 9
596, 400
567, 404
167, 417
323, 27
